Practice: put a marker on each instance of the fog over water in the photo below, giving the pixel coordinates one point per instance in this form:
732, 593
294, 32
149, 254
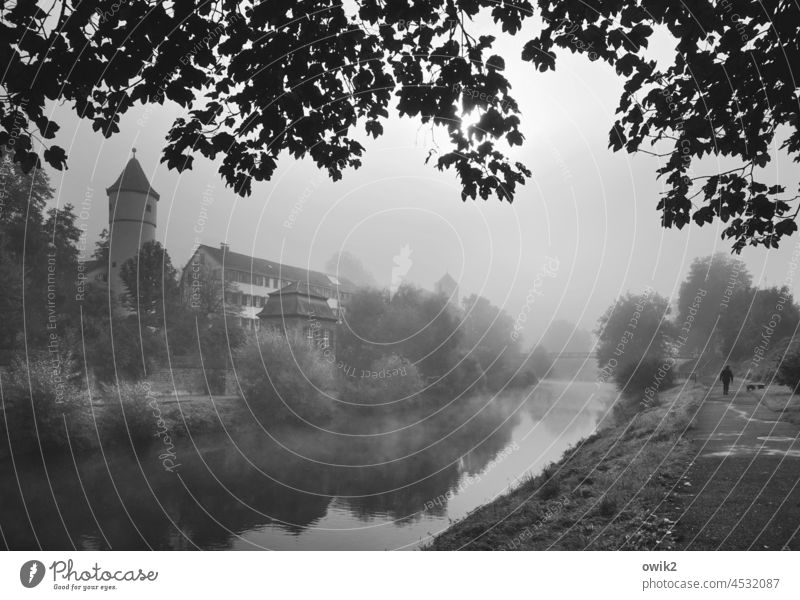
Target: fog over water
298, 489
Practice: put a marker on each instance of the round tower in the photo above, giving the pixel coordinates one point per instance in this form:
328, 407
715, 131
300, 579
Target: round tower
132, 218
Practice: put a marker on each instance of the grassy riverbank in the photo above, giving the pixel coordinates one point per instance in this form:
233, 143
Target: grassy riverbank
599, 496
784, 404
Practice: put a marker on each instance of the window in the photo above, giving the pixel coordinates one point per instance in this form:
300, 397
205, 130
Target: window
149, 208
245, 299
114, 264
326, 339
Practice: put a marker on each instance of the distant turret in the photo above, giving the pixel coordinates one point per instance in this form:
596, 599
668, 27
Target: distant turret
132, 218
447, 286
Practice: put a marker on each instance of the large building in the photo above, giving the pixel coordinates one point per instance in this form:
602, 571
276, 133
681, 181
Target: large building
132, 221
133, 215
251, 281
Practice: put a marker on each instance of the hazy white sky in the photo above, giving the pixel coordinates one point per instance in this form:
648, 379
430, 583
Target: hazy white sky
592, 210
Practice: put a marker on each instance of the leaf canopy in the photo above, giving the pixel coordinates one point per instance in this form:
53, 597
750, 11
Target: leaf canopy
306, 76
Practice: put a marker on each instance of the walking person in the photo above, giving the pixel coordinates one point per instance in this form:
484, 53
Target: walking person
726, 377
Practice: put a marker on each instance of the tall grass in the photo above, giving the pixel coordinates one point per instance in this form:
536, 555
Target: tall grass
43, 402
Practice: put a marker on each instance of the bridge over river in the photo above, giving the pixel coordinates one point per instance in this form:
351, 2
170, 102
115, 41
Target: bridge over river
558, 355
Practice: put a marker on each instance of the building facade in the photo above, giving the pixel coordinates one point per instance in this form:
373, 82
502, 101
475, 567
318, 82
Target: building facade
296, 308
250, 281
132, 219
132, 222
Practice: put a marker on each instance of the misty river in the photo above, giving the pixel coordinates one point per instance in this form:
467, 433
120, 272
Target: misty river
293, 489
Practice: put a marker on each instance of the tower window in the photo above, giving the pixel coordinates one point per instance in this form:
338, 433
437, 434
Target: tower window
149, 208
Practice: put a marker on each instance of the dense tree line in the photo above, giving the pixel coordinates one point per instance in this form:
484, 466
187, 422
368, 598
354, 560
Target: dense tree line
462, 348
719, 317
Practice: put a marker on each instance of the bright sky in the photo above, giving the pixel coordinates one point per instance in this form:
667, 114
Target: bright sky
591, 209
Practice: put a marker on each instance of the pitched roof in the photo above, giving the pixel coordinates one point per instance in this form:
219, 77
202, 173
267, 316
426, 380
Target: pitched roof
446, 282
296, 300
447, 279
297, 287
132, 179
259, 266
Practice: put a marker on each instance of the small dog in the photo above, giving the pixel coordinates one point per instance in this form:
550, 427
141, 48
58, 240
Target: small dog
755, 386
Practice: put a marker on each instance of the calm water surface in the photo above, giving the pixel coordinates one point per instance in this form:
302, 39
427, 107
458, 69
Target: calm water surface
298, 489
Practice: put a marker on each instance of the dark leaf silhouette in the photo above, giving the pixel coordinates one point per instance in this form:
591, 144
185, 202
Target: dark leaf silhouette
306, 76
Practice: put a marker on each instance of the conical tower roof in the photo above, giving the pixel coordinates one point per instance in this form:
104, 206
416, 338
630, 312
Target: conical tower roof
132, 179
447, 279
